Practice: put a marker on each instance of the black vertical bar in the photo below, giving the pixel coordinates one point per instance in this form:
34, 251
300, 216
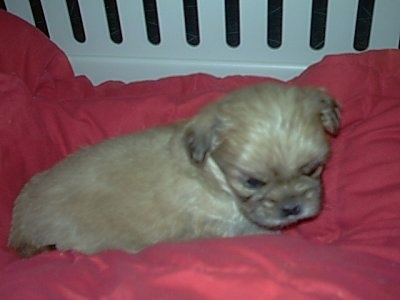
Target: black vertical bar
114, 25
274, 24
75, 18
191, 22
365, 13
232, 22
151, 19
3, 5
38, 16
318, 24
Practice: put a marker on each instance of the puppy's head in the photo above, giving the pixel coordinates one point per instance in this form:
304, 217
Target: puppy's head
270, 143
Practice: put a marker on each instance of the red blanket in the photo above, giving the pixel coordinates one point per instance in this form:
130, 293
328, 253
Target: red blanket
351, 251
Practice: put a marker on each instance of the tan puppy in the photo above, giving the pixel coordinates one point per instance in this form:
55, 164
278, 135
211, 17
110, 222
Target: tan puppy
248, 164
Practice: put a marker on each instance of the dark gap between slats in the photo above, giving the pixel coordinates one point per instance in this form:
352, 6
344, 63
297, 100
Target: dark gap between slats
75, 18
362, 34
318, 24
114, 25
152, 25
191, 22
232, 22
3, 5
38, 16
274, 23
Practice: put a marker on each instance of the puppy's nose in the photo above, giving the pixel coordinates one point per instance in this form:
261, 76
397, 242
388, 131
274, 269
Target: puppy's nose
292, 209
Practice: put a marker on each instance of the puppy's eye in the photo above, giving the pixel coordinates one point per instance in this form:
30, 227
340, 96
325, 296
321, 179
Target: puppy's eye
314, 171
253, 183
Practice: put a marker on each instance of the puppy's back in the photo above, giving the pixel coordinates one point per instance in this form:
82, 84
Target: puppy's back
76, 196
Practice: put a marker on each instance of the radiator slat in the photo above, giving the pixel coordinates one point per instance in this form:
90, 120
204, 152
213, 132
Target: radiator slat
172, 25
386, 18
340, 26
296, 26
133, 25
56, 12
254, 29
212, 26
21, 9
95, 24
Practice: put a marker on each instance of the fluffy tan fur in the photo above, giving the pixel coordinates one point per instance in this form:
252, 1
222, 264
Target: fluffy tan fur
247, 164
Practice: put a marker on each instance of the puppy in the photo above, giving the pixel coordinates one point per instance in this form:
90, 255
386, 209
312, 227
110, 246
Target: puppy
250, 163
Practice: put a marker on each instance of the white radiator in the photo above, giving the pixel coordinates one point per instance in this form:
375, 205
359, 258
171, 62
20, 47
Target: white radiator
133, 40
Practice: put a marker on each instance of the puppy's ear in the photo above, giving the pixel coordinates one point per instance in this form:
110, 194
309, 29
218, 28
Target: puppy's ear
328, 109
330, 115
201, 136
